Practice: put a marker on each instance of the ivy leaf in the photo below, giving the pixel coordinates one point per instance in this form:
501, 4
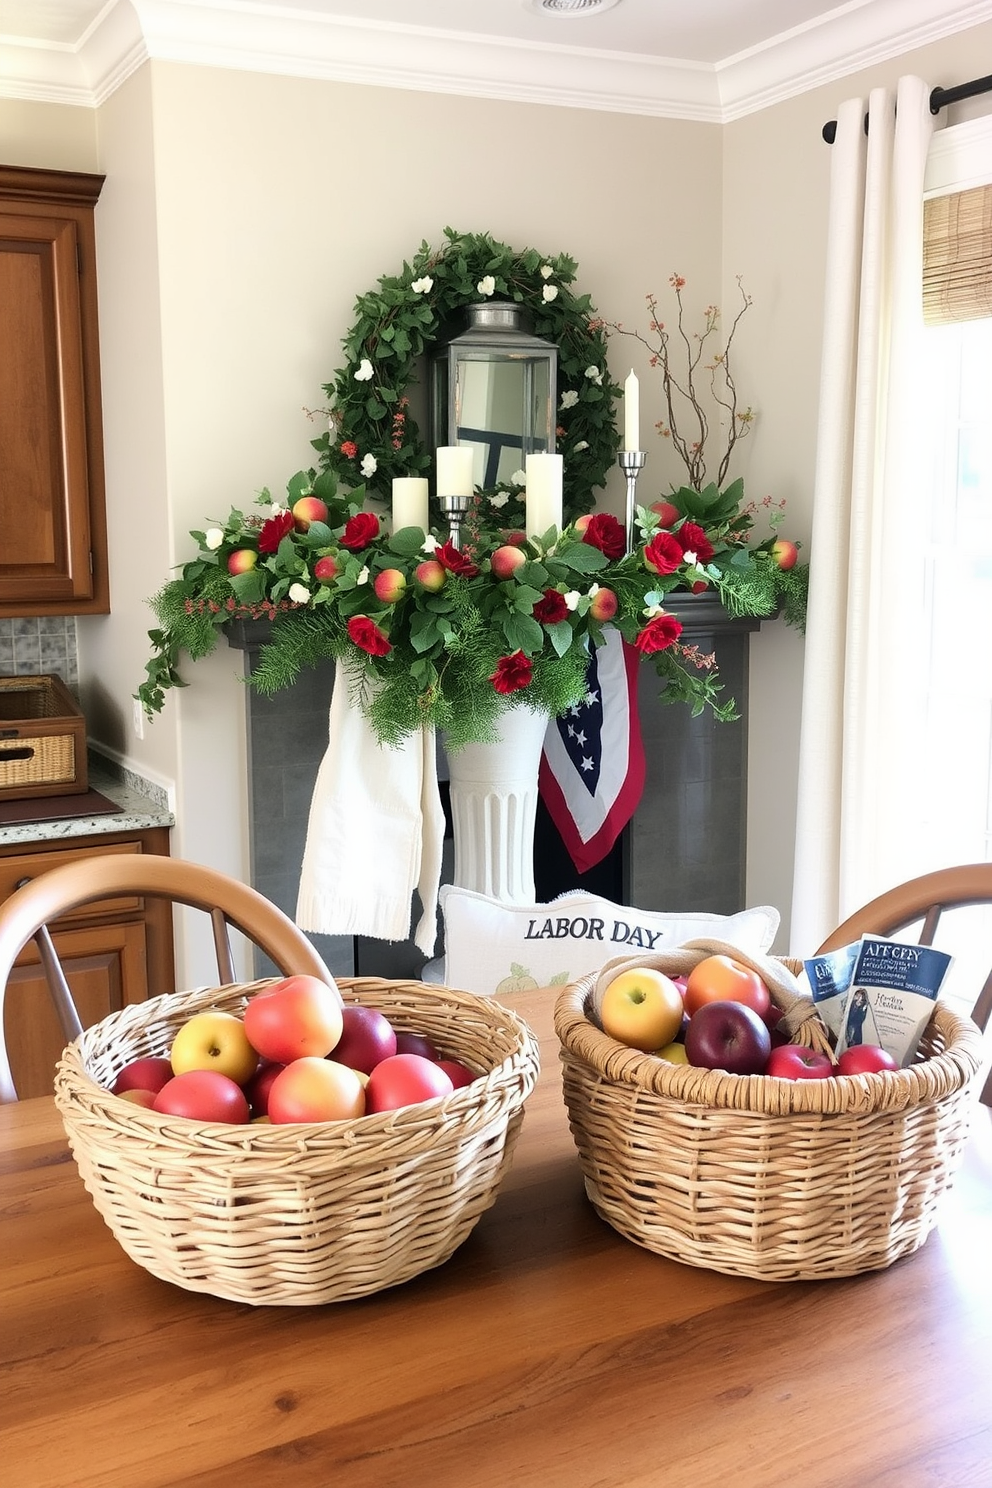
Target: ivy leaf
298, 485
406, 542
561, 636
249, 588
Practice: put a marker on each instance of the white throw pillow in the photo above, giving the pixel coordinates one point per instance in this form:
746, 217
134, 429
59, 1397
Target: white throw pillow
493, 947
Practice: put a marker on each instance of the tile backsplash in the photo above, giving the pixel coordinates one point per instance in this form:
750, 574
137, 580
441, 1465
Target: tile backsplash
40, 646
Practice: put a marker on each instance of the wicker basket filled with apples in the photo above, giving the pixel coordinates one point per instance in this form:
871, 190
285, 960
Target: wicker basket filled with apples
290, 1142
732, 1140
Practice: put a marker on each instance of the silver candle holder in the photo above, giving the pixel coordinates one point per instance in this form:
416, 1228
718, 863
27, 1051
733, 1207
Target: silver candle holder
455, 509
631, 463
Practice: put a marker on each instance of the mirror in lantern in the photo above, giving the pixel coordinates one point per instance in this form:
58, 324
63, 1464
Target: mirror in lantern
493, 388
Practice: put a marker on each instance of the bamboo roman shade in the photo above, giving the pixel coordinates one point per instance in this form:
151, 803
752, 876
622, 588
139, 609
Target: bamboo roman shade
957, 256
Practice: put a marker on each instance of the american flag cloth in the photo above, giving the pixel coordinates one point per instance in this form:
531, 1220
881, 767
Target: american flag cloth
592, 766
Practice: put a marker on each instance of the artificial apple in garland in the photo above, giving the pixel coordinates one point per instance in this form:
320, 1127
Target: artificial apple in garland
242, 560
389, 585
784, 553
668, 514
506, 560
431, 575
308, 509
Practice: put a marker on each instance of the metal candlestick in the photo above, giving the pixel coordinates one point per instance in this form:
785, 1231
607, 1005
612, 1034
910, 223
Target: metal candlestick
631, 463
454, 508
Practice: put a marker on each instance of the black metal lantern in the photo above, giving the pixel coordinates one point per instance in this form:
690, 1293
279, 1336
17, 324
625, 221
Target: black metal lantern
494, 388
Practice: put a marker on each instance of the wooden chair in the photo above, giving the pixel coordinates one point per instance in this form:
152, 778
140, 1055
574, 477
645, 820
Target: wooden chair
27, 913
924, 900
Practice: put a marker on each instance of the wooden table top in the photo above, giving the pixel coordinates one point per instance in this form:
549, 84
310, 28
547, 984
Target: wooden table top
548, 1351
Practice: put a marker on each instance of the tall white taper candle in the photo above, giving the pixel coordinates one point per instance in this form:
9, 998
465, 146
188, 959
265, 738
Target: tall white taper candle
453, 464
409, 502
631, 413
544, 487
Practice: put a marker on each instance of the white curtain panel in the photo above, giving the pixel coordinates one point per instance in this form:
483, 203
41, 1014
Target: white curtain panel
865, 645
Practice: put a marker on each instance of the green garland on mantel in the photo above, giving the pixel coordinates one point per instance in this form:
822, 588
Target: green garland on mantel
373, 437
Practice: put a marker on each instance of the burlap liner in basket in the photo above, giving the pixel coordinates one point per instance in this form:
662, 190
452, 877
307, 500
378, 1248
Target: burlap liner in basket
776, 1179
306, 1213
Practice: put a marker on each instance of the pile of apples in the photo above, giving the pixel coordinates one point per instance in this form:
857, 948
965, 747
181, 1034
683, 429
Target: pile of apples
719, 1017
298, 1054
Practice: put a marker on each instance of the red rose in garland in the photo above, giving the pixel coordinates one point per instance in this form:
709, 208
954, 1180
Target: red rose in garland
360, 530
512, 673
604, 532
368, 637
274, 530
455, 561
660, 633
694, 540
551, 609
664, 553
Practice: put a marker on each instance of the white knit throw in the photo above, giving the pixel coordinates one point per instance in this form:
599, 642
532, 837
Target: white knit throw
375, 833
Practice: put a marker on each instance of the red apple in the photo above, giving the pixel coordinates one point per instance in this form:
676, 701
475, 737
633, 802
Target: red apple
506, 560
138, 1097
242, 560
641, 1007
326, 568
258, 1087
459, 1074
668, 513
203, 1095
389, 584
405, 1080
728, 1036
143, 1074
312, 1089
796, 1062
784, 552
604, 605
430, 575
297, 1016
308, 509
722, 979
416, 1043
865, 1059
214, 1040
367, 1038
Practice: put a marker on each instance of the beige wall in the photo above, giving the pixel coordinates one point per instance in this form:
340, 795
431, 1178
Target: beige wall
243, 214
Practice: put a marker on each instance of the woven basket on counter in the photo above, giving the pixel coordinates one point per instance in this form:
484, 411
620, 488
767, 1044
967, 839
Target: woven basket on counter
754, 1176
306, 1213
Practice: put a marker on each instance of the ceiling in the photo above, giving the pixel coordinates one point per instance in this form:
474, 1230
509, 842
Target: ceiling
695, 59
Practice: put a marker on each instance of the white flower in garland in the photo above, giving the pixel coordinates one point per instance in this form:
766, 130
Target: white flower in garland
369, 465
364, 372
546, 271
213, 538
499, 500
363, 576
430, 544
571, 598
299, 594
518, 478
594, 375
423, 286
569, 399
487, 286
549, 293
582, 444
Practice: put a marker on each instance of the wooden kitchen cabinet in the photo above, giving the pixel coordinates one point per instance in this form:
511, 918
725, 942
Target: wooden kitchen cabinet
113, 952
53, 559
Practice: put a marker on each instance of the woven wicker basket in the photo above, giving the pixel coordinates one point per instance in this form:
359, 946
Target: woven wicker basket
304, 1213
776, 1179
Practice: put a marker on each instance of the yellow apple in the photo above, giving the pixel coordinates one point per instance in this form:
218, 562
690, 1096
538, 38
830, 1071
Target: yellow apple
214, 1041
643, 1008
674, 1053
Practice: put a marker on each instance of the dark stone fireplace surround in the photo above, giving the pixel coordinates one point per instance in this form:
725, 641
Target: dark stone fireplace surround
684, 850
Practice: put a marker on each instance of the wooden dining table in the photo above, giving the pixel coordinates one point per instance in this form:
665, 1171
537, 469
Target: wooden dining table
548, 1350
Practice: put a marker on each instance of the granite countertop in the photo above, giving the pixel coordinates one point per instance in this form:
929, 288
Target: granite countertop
142, 804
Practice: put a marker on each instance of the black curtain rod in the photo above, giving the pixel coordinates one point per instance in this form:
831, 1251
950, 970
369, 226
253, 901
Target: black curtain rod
939, 98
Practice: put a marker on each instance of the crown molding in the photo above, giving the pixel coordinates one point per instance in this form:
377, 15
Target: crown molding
252, 36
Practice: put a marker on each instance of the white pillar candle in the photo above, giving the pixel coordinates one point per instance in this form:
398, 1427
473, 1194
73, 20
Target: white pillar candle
543, 498
453, 464
409, 502
631, 413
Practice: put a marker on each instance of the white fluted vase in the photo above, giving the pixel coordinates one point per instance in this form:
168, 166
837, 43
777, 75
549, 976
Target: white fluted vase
494, 808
